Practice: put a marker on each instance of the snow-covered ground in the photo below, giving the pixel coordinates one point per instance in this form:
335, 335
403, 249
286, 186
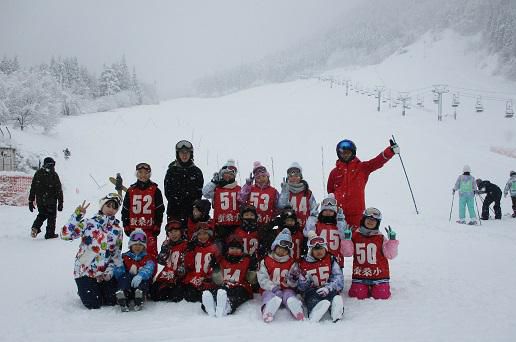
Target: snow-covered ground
450, 282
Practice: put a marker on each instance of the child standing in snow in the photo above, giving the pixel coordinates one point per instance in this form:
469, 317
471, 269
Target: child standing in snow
234, 274
510, 188
295, 193
261, 194
200, 257
467, 187
168, 285
135, 275
371, 252
320, 280
273, 279
224, 190
329, 224
99, 252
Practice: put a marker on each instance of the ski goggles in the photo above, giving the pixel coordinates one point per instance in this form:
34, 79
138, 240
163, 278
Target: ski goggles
345, 145
332, 202
229, 169
139, 237
286, 244
259, 170
113, 197
373, 213
184, 145
144, 166
173, 225
293, 172
317, 242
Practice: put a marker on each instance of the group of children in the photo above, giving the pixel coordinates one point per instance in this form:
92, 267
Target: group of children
259, 241
469, 187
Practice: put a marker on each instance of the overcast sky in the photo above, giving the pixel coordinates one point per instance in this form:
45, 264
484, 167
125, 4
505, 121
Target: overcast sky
170, 42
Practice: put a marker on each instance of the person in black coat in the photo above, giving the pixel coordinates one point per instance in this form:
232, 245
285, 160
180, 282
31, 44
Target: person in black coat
183, 183
46, 190
494, 194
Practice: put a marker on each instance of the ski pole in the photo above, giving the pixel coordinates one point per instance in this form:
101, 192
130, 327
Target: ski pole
451, 209
408, 182
478, 212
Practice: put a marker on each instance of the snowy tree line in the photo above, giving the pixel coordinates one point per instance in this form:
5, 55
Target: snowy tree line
39, 95
375, 30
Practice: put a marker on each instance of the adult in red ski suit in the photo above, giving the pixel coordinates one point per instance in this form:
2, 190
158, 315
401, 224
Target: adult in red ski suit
349, 178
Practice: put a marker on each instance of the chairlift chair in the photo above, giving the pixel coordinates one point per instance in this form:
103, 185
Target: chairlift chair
509, 111
455, 101
436, 98
479, 107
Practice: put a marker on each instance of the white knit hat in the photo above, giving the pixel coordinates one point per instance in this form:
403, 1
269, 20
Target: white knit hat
230, 166
329, 203
466, 168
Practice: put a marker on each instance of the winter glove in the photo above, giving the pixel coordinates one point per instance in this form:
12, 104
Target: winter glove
137, 279
31, 206
249, 181
323, 291
315, 211
60, 207
347, 233
216, 178
284, 185
340, 215
295, 273
118, 182
391, 233
394, 147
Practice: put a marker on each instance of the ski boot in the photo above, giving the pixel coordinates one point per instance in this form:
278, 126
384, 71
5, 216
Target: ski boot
319, 310
270, 309
122, 300
296, 308
208, 303
472, 223
337, 308
461, 221
223, 304
138, 299
34, 232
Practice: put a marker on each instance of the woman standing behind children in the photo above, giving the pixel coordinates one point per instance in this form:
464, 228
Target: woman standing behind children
467, 187
371, 252
99, 252
295, 193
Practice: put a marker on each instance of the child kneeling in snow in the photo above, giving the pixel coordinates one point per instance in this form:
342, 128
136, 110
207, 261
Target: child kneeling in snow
273, 279
370, 251
169, 282
135, 275
234, 275
319, 278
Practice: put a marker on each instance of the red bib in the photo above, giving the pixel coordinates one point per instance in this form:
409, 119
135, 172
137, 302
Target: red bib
264, 200
142, 207
225, 206
319, 270
330, 233
368, 260
278, 270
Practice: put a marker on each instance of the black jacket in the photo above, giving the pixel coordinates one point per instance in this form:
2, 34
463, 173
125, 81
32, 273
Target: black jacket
490, 189
46, 188
158, 203
183, 185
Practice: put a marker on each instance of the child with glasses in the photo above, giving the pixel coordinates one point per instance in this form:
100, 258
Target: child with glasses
371, 252
169, 282
329, 223
135, 275
99, 251
273, 279
296, 194
319, 278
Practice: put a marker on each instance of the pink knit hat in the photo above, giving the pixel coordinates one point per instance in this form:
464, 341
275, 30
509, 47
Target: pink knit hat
259, 169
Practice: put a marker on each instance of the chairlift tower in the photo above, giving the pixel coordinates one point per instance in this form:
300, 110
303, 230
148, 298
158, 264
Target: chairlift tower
379, 90
455, 104
404, 98
440, 89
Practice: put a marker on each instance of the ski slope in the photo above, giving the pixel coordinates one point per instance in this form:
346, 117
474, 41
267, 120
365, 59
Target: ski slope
450, 282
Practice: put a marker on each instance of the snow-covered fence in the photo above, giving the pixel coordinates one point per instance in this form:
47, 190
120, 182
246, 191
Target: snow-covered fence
14, 188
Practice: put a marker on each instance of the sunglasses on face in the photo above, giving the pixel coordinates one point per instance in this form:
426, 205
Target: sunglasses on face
184, 145
139, 237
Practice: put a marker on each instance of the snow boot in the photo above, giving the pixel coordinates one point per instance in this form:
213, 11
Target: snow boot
270, 309
138, 299
223, 304
121, 300
208, 303
472, 223
34, 232
296, 308
461, 221
513, 215
337, 308
319, 310
51, 236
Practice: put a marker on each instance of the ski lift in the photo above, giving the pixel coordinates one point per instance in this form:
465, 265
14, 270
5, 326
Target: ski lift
509, 111
385, 99
419, 102
455, 101
479, 107
436, 98
395, 103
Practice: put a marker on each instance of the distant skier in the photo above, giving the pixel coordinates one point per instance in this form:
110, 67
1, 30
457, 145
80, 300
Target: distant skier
349, 178
510, 188
494, 194
67, 153
183, 183
46, 190
467, 188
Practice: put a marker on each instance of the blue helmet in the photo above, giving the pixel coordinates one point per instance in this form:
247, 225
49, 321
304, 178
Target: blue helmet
346, 145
